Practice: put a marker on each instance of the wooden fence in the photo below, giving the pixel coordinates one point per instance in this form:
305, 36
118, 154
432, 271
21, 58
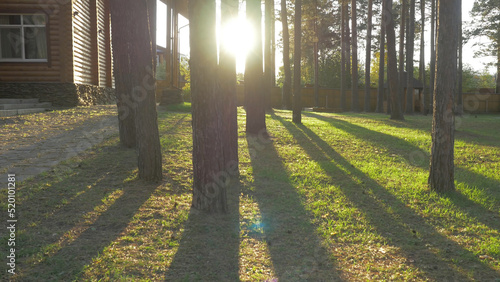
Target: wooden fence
473, 102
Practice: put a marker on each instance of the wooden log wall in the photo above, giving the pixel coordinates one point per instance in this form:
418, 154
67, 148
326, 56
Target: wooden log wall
83, 43
78, 43
58, 28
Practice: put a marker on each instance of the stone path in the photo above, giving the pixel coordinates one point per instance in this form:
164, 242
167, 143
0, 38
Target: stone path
27, 158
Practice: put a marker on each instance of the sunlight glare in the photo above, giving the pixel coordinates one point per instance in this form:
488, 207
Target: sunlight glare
238, 37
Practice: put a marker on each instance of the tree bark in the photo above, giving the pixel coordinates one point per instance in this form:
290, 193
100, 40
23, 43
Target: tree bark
381, 67
497, 90
368, 56
409, 59
392, 69
287, 82
122, 71
227, 83
254, 98
343, 53
433, 54
209, 177
268, 75
297, 103
441, 175
354, 41
421, 75
142, 80
402, 29
498, 63
459, 110
146, 118
316, 60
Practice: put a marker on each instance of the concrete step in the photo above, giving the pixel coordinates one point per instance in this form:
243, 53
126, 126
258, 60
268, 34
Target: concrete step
15, 112
19, 101
25, 106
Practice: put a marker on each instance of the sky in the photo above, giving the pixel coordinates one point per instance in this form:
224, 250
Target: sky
238, 43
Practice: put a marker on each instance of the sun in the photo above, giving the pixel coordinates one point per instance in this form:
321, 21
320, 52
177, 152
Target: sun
237, 36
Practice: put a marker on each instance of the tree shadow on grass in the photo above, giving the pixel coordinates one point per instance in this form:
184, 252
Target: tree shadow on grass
295, 248
414, 156
419, 241
209, 248
69, 218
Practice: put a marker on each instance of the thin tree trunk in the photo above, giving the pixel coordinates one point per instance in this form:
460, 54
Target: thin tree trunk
421, 76
297, 103
348, 47
227, 82
149, 160
316, 63
254, 98
497, 90
368, 57
354, 86
441, 175
287, 82
141, 79
381, 67
498, 63
433, 54
402, 29
343, 53
392, 68
409, 58
459, 101
122, 71
209, 177
268, 75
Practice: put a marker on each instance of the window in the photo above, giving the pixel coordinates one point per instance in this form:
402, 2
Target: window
23, 38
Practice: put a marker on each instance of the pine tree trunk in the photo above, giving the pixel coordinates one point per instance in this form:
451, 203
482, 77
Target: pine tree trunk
421, 76
368, 56
433, 55
459, 110
227, 84
381, 67
209, 176
315, 56
141, 79
142, 57
441, 176
254, 95
348, 68
402, 30
343, 53
392, 68
287, 82
121, 70
498, 64
354, 86
297, 103
268, 75
409, 59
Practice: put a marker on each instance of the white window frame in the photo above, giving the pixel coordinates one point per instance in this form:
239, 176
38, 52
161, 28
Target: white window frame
22, 25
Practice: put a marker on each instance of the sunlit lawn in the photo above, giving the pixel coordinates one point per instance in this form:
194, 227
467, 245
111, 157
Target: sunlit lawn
341, 197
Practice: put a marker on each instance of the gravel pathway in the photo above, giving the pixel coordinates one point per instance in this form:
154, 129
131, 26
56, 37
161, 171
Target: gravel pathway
33, 154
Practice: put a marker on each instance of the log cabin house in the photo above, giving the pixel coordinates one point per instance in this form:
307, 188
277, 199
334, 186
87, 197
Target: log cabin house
59, 51
56, 50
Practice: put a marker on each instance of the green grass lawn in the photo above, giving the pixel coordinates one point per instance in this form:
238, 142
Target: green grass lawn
341, 197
